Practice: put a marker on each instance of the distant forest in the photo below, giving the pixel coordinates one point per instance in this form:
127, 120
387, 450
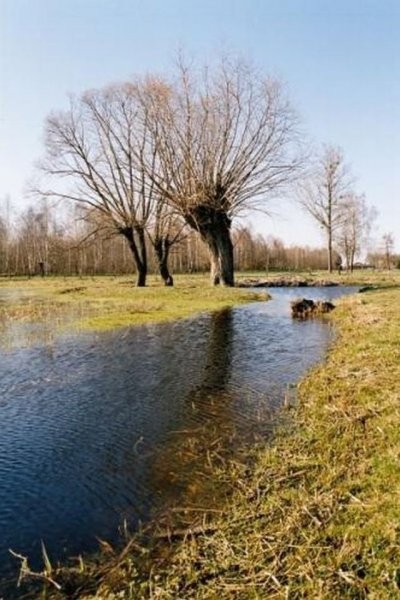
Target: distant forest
45, 240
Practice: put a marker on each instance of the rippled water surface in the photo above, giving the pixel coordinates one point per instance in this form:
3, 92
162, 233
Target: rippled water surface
91, 425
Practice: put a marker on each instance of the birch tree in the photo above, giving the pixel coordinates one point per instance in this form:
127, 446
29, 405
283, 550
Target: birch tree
388, 249
353, 233
322, 194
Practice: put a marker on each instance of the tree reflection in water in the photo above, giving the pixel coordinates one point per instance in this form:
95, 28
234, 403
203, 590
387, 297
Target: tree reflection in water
183, 468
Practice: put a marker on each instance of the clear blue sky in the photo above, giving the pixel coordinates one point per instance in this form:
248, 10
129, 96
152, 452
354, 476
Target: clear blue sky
340, 60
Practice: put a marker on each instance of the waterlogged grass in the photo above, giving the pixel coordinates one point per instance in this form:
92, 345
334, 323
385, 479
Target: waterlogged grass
164, 305
315, 514
104, 303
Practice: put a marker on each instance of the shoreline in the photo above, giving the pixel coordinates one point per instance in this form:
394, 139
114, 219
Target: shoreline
289, 283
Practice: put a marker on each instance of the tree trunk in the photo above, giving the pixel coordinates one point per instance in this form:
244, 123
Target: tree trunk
225, 250
138, 249
352, 256
215, 269
141, 277
330, 268
162, 247
214, 228
215, 265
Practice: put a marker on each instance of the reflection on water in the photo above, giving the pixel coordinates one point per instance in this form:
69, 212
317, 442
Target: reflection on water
101, 428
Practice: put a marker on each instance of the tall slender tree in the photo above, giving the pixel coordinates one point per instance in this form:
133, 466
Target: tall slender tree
355, 227
388, 249
323, 192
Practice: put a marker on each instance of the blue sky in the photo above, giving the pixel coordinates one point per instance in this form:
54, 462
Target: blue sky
340, 61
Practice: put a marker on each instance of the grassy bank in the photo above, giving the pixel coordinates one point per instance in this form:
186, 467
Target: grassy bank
314, 515
101, 303
358, 277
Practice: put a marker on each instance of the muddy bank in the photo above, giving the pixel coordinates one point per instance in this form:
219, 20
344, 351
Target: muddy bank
285, 282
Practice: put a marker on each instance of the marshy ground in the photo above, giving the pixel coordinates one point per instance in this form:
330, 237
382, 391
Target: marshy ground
104, 303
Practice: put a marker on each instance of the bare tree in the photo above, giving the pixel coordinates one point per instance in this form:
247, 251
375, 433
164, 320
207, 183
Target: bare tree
31, 241
224, 142
4, 245
323, 191
78, 241
165, 230
355, 226
5, 234
93, 146
388, 248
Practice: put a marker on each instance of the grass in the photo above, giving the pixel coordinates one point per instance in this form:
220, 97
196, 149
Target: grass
103, 303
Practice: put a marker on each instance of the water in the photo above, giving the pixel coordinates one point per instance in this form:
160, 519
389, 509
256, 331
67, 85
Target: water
98, 429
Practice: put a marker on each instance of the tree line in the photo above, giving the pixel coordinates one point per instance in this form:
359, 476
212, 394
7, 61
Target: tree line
42, 240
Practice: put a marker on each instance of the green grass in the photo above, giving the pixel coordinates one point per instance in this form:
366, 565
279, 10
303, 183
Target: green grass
315, 514
103, 303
